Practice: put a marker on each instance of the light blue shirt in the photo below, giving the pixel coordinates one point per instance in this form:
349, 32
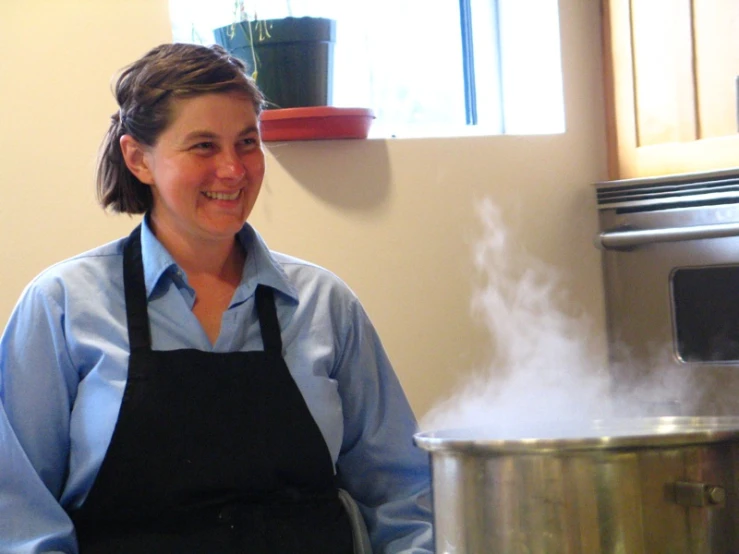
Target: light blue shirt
64, 363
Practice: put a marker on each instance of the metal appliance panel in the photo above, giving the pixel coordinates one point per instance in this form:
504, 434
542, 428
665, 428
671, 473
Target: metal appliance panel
650, 230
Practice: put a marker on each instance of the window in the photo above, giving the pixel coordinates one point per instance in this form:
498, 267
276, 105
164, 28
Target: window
427, 67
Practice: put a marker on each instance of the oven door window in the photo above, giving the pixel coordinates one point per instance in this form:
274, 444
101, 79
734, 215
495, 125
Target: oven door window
706, 313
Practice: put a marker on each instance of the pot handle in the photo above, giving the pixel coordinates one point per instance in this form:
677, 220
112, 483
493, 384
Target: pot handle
699, 494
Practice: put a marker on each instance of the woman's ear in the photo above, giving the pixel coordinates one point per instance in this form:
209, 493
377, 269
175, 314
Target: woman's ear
134, 155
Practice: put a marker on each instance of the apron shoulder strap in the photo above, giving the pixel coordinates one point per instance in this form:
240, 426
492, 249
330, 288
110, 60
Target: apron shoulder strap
135, 289
270, 326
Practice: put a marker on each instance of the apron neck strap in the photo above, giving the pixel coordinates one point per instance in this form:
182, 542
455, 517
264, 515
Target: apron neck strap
139, 335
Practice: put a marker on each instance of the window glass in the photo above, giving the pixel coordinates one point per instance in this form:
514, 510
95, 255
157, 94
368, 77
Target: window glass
706, 306
531, 66
404, 59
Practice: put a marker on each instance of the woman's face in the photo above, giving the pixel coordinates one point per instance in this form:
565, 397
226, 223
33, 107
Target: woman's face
206, 168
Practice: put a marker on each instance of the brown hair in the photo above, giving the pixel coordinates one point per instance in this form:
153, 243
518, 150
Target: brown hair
144, 91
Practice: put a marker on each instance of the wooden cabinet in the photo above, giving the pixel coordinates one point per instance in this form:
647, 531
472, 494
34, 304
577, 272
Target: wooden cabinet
671, 85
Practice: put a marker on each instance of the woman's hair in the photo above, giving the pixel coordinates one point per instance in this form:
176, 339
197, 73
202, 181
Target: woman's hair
144, 91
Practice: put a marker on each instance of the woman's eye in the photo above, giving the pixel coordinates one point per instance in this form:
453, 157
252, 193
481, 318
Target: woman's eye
204, 146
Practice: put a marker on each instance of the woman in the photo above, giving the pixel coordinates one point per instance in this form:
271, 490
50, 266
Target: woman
186, 389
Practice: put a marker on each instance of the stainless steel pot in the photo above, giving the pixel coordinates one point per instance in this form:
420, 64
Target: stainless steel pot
639, 486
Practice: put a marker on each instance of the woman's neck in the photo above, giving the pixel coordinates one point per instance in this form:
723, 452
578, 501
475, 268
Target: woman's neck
198, 257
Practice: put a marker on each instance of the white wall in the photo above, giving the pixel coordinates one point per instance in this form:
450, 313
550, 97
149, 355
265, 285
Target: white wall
394, 218
56, 70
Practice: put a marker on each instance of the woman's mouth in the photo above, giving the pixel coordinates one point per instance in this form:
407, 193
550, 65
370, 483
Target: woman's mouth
222, 195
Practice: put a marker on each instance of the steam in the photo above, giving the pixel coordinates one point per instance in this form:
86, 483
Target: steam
546, 366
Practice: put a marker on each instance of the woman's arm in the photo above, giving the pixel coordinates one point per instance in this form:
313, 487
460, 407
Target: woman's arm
35, 406
379, 465
31, 519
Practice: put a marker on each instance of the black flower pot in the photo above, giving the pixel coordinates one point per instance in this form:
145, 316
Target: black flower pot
294, 57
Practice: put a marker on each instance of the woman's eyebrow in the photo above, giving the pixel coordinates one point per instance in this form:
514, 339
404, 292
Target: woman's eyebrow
198, 135
249, 129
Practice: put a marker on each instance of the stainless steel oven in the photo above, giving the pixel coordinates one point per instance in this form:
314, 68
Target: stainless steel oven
671, 273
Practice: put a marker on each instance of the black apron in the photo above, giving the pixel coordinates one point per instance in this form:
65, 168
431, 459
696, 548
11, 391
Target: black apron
211, 452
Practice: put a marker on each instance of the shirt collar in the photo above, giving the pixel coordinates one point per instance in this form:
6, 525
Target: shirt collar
157, 261
260, 267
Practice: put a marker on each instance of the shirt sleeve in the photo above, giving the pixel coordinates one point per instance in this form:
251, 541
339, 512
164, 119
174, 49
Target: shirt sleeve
35, 400
379, 465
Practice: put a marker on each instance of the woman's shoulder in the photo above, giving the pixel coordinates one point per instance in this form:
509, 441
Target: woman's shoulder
311, 278
296, 276
300, 265
97, 267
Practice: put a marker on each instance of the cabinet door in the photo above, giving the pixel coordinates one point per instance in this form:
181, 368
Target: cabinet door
671, 85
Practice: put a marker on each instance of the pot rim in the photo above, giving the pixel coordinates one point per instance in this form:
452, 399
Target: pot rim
572, 435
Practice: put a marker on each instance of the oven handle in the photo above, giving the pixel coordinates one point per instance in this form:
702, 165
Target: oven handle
628, 238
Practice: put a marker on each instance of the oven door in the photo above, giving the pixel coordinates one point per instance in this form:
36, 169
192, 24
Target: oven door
672, 303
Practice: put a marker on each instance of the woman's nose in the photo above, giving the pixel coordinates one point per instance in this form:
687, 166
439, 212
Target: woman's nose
230, 166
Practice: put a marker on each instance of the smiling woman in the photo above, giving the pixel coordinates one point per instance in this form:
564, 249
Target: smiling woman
205, 171
186, 389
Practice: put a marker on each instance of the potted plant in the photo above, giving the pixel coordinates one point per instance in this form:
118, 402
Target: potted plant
291, 58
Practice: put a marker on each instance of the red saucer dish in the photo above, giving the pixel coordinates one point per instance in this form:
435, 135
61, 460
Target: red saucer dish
315, 123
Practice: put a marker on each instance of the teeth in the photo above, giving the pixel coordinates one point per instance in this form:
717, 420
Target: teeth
223, 195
